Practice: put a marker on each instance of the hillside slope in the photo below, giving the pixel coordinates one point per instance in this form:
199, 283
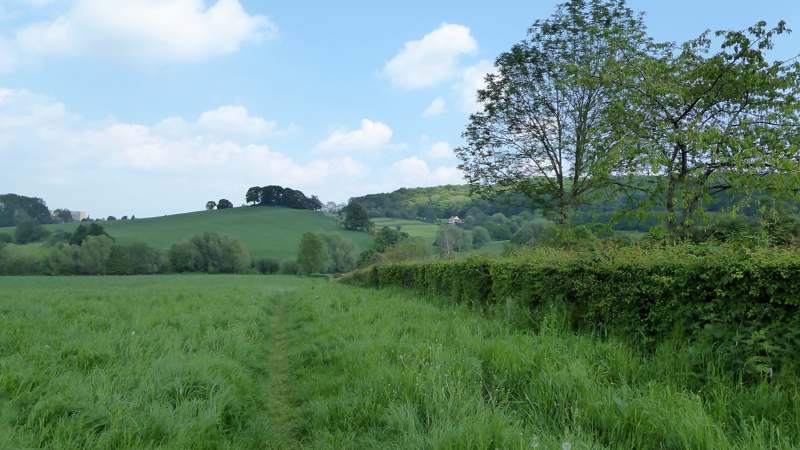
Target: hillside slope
266, 232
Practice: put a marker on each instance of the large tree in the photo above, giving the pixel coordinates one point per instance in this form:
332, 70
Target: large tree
312, 254
356, 217
702, 122
253, 195
544, 127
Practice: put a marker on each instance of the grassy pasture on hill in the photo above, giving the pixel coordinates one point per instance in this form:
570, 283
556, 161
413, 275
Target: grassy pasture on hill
414, 228
427, 231
266, 232
229, 362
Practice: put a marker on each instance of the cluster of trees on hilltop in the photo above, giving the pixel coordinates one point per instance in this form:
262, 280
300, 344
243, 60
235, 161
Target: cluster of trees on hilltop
17, 208
280, 196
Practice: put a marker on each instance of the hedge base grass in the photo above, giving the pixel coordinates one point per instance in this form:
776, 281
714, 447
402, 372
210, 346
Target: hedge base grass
240, 362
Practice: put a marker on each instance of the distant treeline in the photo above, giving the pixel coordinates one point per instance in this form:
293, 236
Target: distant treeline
440, 202
623, 212
89, 250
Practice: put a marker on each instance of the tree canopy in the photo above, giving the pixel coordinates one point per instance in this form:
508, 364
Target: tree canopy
356, 217
544, 129
18, 208
589, 106
706, 121
279, 196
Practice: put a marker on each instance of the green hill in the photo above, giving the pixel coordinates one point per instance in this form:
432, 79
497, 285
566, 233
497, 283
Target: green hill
266, 232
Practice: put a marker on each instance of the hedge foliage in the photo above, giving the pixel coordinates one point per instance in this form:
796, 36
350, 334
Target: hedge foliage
739, 307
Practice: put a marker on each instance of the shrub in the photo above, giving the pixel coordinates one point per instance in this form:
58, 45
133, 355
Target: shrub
135, 259
290, 268
16, 260
29, 231
528, 233
59, 237
480, 237
341, 253
6, 238
387, 237
498, 231
408, 250
211, 253
184, 257
311, 255
91, 258
268, 266
737, 305
84, 231
93, 255
451, 239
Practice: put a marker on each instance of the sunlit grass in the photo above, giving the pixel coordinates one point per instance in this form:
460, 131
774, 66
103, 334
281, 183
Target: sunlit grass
238, 362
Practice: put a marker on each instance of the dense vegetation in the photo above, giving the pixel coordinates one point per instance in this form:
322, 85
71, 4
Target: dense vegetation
244, 362
15, 209
589, 104
280, 196
441, 202
739, 306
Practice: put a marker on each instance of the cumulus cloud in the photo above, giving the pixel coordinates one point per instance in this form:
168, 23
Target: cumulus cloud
142, 31
177, 164
235, 120
435, 108
441, 150
370, 138
414, 171
472, 80
432, 59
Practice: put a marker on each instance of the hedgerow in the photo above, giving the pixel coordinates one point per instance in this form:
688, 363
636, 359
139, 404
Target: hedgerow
739, 307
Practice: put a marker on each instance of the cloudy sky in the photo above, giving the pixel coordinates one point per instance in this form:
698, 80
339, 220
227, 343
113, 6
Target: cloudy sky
151, 107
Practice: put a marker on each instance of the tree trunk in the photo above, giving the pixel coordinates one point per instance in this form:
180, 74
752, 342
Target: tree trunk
670, 205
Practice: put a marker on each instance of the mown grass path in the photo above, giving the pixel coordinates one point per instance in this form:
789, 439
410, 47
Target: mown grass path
280, 408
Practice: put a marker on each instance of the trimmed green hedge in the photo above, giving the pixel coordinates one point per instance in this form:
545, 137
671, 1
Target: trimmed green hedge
738, 307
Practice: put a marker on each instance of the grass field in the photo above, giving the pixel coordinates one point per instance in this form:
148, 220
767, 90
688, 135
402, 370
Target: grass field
234, 362
266, 232
414, 228
427, 231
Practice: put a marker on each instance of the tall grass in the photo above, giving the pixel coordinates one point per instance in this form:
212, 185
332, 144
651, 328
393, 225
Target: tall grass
157, 362
235, 362
385, 370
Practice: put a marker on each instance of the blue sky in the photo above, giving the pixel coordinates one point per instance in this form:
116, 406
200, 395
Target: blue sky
151, 107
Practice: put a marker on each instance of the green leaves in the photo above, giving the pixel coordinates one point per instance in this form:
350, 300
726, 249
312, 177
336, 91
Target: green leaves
710, 121
544, 129
739, 303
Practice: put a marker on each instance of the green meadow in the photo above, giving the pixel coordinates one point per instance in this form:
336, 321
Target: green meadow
241, 362
265, 232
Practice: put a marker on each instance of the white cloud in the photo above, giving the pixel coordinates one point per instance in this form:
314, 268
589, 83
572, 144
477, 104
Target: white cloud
175, 165
370, 138
472, 80
441, 150
432, 59
414, 171
235, 120
144, 31
435, 108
